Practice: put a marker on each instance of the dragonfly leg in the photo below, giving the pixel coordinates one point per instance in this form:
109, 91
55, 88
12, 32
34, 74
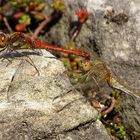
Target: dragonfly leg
32, 64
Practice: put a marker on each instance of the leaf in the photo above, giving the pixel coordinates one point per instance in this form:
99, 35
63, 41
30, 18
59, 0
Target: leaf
58, 5
25, 19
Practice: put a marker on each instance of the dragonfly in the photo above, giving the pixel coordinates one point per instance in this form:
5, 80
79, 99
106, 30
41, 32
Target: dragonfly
17, 40
99, 72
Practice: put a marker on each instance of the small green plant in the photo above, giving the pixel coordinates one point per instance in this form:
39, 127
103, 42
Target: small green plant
25, 19
58, 5
118, 131
116, 93
99, 116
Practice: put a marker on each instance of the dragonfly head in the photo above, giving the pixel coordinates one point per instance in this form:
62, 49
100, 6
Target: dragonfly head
86, 65
2, 39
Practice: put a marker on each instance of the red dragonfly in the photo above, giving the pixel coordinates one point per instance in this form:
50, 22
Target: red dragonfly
18, 40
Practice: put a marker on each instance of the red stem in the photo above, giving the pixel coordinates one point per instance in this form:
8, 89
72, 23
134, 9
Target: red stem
76, 32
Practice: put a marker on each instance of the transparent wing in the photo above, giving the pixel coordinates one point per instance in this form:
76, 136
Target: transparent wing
24, 72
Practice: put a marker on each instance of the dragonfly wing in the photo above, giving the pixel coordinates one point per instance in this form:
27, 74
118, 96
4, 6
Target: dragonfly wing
25, 71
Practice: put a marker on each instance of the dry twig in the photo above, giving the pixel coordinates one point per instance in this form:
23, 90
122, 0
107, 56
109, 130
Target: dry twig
40, 27
110, 108
7, 24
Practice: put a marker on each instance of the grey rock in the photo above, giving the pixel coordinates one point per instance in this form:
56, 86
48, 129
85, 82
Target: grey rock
118, 41
87, 132
119, 46
43, 105
129, 110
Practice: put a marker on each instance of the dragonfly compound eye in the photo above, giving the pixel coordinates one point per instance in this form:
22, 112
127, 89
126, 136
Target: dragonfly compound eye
2, 39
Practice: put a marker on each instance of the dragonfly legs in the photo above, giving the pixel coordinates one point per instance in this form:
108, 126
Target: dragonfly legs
29, 60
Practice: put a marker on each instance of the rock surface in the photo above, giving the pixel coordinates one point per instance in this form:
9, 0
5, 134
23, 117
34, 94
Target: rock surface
120, 47
43, 105
129, 109
115, 38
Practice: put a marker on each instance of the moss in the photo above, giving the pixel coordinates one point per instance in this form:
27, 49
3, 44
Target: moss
99, 116
58, 5
118, 131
